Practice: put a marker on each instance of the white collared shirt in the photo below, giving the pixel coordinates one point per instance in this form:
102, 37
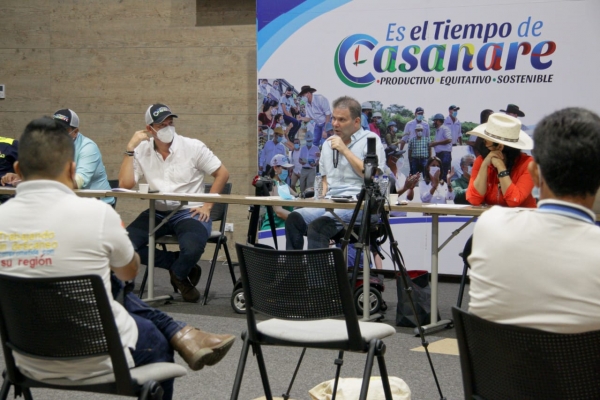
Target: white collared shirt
182, 171
319, 109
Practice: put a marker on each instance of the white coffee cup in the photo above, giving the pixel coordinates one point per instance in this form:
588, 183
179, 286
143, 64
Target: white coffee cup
143, 188
393, 198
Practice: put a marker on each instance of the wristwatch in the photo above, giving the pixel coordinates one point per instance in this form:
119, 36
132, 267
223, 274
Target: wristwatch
503, 173
130, 153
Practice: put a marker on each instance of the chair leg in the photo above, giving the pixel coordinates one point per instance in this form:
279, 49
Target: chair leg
461, 289
5, 389
237, 383
213, 264
143, 284
263, 371
286, 395
339, 362
27, 393
229, 263
368, 369
383, 372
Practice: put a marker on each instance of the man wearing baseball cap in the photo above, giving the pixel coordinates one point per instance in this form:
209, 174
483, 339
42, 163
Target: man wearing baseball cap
171, 163
442, 143
454, 125
90, 172
410, 127
367, 111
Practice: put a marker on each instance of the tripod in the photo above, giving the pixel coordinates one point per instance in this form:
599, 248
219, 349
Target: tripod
374, 204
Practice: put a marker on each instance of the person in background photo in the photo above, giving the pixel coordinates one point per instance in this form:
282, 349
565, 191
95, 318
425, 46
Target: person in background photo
375, 122
367, 113
402, 185
267, 117
418, 151
271, 148
288, 106
483, 118
295, 160
309, 159
538, 268
391, 138
434, 189
514, 111
461, 184
442, 143
410, 129
280, 175
454, 125
500, 175
317, 110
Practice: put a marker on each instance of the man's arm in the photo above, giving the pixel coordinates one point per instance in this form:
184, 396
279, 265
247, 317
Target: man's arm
221, 176
87, 163
126, 173
129, 271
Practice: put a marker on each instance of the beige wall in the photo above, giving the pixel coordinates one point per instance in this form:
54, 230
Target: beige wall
109, 59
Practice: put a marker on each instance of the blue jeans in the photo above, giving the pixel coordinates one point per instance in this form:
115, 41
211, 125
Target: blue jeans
446, 159
295, 126
155, 330
417, 165
191, 235
318, 225
318, 132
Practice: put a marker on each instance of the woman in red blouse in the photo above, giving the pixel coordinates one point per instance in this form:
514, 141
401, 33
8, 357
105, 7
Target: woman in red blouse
500, 175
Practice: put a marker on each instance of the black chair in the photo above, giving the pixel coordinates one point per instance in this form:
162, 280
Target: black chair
218, 238
114, 183
501, 361
303, 291
69, 318
466, 267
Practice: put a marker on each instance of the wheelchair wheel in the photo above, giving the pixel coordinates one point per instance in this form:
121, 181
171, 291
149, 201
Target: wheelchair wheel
375, 301
238, 303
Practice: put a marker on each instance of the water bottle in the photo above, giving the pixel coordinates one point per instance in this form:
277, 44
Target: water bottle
376, 182
318, 186
384, 187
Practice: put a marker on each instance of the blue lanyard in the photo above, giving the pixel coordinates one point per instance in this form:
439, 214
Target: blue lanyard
566, 211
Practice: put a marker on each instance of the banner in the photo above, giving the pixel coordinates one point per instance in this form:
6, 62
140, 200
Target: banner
537, 55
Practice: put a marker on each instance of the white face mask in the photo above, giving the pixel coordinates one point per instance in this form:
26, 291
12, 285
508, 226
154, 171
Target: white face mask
400, 163
469, 169
166, 134
433, 170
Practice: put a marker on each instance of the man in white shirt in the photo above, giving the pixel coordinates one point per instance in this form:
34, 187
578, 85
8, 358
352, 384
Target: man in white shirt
341, 165
538, 268
309, 159
172, 164
454, 125
317, 110
442, 143
66, 235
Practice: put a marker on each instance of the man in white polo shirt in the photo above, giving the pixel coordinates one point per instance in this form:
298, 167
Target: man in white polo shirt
172, 164
66, 235
538, 268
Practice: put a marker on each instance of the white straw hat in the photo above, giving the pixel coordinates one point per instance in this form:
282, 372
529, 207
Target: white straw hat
502, 128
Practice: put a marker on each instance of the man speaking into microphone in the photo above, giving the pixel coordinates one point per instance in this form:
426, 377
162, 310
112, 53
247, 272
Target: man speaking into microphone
344, 177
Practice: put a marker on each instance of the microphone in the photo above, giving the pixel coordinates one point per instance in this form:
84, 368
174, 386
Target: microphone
336, 157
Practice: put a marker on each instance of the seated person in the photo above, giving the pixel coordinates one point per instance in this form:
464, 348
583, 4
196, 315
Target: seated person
344, 178
500, 175
432, 188
538, 268
279, 174
92, 241
461, 184
172, 163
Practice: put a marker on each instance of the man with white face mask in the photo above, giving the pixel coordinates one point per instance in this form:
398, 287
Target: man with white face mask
172, 164
410, 129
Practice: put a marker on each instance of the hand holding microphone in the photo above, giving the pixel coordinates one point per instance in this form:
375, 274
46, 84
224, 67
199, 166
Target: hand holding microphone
336, 144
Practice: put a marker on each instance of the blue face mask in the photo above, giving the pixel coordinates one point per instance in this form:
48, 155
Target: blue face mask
454, 114
419, 118
296, 146
283, 175
279, 139
284, 192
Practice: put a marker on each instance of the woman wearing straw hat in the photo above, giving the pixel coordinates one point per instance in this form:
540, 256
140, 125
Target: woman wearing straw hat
500, 175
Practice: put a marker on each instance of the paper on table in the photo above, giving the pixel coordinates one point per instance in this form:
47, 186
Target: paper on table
264, 198
123, 190
447, 205
94, 191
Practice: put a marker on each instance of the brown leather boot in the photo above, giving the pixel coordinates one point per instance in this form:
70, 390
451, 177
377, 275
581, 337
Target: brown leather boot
185, 287
199, 348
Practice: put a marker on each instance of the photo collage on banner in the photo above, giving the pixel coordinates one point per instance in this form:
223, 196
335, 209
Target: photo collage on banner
411, 61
